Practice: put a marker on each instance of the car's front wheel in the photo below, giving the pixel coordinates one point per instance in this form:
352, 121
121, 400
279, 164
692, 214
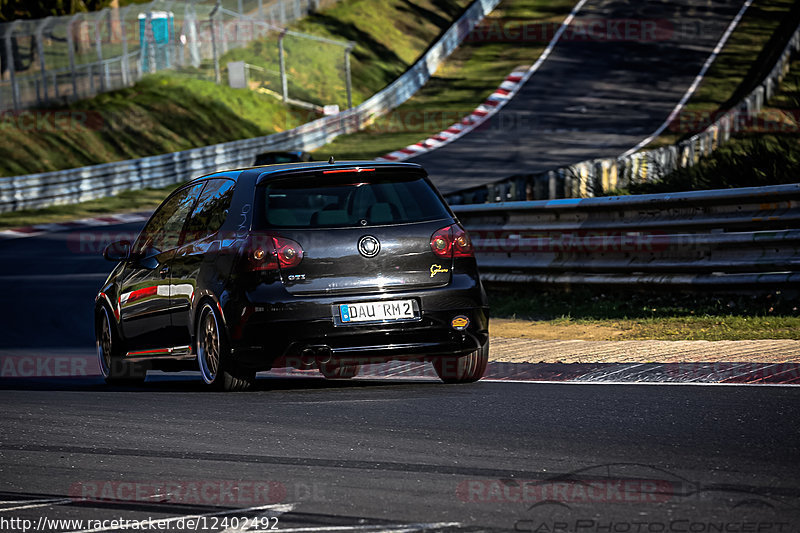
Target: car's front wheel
213, 355
463, 369
114, 370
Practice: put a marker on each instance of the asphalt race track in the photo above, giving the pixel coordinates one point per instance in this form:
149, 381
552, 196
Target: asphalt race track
371, 454
401, 455
592, 97
406, 457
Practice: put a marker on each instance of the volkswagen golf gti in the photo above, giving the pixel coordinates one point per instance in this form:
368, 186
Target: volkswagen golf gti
313, 265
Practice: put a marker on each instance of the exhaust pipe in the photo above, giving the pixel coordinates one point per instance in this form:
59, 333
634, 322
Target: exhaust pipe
324, 355
307, 359
313, 356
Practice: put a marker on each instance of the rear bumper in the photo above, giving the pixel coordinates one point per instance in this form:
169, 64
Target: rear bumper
286, 330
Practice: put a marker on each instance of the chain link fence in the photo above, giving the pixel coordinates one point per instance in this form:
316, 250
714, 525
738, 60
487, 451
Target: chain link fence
304, 70
57, 60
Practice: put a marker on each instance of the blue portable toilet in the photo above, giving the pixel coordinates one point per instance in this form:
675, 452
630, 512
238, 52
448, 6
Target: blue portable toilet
163, 24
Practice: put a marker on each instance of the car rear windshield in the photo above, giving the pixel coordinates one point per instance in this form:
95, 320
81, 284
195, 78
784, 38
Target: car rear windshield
349, 199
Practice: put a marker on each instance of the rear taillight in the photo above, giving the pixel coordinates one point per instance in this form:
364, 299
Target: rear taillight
265, 252
452, 241
288, 251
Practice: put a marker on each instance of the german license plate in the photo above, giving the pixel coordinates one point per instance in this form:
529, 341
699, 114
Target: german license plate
377, 311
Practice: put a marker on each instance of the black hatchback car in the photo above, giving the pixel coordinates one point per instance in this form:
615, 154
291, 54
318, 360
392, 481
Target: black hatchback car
306, 265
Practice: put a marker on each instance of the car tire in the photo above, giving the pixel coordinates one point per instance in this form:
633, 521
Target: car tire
213, 355
339, 371
114, 370
463, 369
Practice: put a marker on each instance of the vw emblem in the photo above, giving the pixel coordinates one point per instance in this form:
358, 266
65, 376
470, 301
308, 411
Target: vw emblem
369, 246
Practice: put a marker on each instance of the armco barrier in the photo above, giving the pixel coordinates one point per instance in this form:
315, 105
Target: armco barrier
87, 183
734, 237
596, 176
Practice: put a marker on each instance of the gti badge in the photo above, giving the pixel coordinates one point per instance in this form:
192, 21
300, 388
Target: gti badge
369, 246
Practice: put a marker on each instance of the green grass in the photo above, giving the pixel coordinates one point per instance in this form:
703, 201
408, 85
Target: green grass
162, 113
462, 82
655, 315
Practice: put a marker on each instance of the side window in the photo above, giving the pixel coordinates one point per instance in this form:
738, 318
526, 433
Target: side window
211, 209
163, 231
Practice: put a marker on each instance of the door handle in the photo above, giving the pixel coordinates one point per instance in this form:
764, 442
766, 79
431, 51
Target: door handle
164, 271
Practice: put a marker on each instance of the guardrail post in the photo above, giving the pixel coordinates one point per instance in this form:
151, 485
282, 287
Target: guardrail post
565, 182
760, 98
613, 175
725, 125
511, 193
624, 166
552, 185
673, 159
600, 177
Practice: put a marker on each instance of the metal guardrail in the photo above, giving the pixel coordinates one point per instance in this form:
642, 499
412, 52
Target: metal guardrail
734, 237
87, 183
596, 176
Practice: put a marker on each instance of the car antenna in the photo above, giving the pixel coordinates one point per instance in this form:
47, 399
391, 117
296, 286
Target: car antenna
331, 160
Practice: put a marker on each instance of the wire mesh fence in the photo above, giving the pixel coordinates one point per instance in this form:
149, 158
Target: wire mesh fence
305, 70
57, 60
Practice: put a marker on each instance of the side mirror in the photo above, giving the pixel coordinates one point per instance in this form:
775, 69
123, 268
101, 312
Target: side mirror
118, 251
